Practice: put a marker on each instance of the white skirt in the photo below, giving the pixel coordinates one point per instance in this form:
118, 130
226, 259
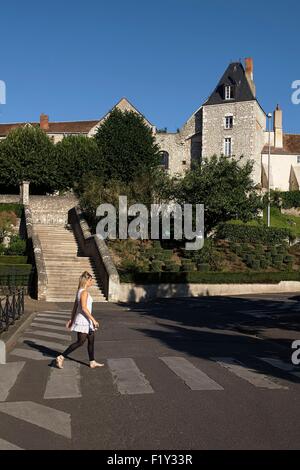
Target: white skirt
82, 324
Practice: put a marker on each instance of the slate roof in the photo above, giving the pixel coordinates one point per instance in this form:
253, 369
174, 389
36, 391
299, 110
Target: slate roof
234, 76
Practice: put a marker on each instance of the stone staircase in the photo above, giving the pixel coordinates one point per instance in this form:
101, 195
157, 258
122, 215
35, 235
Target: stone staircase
64, 264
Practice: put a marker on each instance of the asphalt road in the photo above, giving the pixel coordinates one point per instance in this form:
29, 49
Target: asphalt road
203, 373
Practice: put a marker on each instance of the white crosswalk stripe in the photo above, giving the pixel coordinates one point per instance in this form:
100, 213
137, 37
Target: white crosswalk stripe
193, 377
50, 419
128, 377
9, 374
48, 334
36, 343
50, 320
276, 362
31, 354
5, 445
52, 315
254, 377
64, 383
46, 326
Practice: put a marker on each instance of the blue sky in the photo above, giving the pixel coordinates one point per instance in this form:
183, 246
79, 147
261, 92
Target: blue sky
75, 59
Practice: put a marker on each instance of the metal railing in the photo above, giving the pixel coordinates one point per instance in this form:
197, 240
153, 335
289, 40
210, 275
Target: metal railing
11, 309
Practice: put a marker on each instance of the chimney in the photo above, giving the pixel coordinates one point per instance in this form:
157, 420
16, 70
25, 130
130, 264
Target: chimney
44, 122
278, 132
249, 74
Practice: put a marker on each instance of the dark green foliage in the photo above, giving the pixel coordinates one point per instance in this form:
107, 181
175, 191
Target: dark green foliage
17, 246
171, 266
28, 154
12, 207
77, 156
225, 188
290, 199
203, 267
255, 264
127, 145
278, 258
252, 234
187, 267
13, 260
212, 277
156, 265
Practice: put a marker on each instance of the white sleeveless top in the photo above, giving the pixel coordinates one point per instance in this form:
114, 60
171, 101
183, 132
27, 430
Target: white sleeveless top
82, 324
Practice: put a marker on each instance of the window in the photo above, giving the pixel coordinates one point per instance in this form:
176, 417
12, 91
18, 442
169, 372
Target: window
227, 147
228, 122
165, 160
298, 159
228, 92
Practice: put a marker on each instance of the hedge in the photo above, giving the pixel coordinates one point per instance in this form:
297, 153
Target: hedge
18, 275
290, 199
252, 234
210, 277
13, 260
12, 207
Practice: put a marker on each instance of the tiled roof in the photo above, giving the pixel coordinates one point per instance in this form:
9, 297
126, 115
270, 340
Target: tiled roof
291, 146
82, 127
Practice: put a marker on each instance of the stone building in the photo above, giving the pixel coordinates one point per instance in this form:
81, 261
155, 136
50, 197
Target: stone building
230, 122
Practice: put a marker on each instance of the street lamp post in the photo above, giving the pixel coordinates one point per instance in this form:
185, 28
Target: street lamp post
269, 162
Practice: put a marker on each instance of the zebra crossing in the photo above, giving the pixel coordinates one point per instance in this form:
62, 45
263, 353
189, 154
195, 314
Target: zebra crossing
46, 336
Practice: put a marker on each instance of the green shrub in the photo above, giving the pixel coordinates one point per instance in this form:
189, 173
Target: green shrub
12, 207
278, 259
203, 267
264, 263
166, 254
187, 267
156, 266
290, 199
252, 234
17, 246
171, 267
288, 259
255, 264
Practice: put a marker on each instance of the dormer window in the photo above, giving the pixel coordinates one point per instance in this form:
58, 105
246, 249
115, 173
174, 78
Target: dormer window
228, 92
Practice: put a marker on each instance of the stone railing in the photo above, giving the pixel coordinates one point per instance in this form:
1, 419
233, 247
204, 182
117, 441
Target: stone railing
35, 245
95, 248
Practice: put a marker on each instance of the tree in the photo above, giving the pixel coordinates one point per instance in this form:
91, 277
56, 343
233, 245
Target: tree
77, 156
27, 154
127, 145
225, 187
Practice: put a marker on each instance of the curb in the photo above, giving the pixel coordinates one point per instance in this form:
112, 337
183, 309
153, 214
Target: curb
8, 344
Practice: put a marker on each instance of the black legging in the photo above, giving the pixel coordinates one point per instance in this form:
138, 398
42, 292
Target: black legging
81, 338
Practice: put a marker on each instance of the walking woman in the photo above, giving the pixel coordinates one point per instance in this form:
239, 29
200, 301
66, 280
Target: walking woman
83, 322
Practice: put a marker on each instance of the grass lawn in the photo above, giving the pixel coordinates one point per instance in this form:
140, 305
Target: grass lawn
278, 220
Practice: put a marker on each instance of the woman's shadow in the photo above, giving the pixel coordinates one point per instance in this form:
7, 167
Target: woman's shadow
48, 352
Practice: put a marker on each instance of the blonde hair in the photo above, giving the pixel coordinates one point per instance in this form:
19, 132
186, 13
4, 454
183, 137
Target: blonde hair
84, 278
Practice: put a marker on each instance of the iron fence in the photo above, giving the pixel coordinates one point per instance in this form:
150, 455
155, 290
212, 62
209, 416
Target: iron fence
11, 309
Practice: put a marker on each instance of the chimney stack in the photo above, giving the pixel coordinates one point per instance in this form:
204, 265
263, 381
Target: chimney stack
278, 131
249, 74
44, 122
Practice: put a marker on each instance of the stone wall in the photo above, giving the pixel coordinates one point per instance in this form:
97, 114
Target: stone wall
243, 134
138, 293
51, 209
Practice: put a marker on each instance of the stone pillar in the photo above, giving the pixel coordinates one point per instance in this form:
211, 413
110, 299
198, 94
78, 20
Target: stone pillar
24, 192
